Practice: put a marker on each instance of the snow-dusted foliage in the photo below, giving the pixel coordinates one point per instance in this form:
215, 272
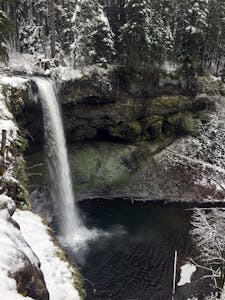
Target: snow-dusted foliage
135, 35
10, 156
146, 36
5, 27
31, 18
82, 34
140, 33
208, 234
93, 37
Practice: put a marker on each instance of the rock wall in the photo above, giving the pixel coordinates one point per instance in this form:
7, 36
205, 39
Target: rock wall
98, 104
148, 145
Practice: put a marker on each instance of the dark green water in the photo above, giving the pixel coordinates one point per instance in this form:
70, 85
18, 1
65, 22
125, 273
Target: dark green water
136, 260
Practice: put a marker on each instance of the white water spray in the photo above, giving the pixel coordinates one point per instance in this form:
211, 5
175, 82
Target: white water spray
61, 190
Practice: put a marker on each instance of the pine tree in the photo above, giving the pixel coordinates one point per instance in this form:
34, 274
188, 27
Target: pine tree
93, 37
161, 31
145, 33
216, 35
52, 27
5, 28
33, 23
134, 38
194, 34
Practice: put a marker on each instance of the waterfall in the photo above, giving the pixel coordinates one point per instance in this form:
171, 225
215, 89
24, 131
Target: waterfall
60, 177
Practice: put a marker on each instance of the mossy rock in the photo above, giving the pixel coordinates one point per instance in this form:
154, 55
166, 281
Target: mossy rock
78, 280
153, 127
212, 86
189, 125
175, 119
180, 102
181, 124
100, 166
126, 132
135, 130
15, 98
135, 126
18, 193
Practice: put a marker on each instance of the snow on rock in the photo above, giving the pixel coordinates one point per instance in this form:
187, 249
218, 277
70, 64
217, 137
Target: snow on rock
13, 81
8, 85
6, 118
193, 167
16, 257
57, 273
7, 203
187, 271
65, 73
11, 295
21, 62
69, 74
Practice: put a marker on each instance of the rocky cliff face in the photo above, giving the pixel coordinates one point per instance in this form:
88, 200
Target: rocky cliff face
138, 145
100, 105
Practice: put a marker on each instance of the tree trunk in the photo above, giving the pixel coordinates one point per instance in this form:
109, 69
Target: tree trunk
51, 13
3, 143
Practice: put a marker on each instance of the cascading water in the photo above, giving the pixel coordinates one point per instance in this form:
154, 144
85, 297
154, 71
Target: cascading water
61, 190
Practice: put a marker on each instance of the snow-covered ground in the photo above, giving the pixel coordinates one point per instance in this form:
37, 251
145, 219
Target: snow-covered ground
15, 253
192, 169
57, 273
12, 295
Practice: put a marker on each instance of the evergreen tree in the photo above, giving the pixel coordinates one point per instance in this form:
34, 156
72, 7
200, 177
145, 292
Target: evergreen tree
52, 27
161, 36
216, 34
145, 33
93, 37
32, 19
5, 28
134, 38
194, 34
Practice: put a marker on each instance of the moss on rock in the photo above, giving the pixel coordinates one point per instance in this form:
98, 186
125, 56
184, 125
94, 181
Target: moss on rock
189, 125
77, 277
15, 97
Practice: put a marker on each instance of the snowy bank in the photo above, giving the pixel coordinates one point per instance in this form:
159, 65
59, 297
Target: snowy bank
58, 274
10, 295
19, 266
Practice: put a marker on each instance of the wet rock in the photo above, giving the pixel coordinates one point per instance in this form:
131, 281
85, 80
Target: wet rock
30, 281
